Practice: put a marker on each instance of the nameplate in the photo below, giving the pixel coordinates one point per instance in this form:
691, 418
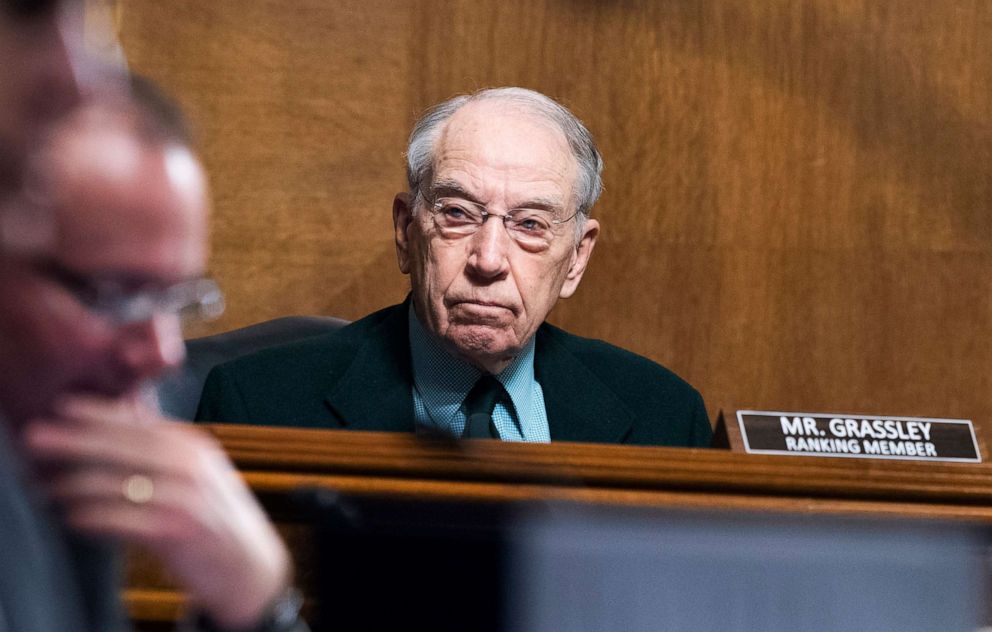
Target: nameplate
858, 436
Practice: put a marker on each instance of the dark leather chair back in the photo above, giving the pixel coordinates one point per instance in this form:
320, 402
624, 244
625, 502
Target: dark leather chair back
179, 392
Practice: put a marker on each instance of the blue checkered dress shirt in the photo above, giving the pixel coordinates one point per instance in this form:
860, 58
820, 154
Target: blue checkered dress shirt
441, 382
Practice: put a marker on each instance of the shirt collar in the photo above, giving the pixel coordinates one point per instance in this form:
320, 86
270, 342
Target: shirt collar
448, 378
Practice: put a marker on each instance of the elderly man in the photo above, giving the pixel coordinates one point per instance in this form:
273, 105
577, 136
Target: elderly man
494, 229
98, 258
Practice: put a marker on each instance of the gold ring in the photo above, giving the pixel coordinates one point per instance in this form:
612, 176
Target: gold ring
138, 489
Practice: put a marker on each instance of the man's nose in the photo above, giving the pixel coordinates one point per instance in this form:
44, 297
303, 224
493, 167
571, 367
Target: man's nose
488, 255
154, 346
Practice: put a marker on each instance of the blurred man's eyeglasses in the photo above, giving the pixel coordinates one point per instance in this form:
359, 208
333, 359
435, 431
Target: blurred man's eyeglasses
534, 229
195, 300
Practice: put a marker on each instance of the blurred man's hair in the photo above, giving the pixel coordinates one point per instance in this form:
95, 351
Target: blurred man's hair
152, 115
137, 107
161, 117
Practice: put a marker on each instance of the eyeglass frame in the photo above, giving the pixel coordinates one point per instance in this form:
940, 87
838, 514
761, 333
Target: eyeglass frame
434, 207
109, 299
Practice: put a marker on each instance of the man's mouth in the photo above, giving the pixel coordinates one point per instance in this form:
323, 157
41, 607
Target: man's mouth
481, 312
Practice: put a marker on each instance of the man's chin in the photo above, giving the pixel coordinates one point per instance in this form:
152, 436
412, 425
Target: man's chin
482, 345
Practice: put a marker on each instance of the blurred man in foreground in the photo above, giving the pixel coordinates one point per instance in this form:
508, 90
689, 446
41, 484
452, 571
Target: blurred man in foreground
100, 256
100, 249
494, 229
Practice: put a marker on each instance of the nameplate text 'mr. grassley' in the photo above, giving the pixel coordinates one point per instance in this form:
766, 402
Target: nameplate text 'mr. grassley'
858, 436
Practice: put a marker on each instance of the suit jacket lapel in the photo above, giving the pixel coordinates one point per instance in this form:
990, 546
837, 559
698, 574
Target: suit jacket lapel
579, 406
375, 393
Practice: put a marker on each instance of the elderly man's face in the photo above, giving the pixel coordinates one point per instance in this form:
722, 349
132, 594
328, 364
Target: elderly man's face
39, 77
122, 214
484, 295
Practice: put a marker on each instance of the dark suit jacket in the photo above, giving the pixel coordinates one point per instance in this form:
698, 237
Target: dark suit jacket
50, 578
79, 593
360, 377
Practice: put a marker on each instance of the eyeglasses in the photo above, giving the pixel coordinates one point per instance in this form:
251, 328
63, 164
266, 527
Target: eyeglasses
194, 300
534, 229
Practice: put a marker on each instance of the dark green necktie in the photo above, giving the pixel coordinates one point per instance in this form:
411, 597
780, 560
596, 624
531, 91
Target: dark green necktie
479, 405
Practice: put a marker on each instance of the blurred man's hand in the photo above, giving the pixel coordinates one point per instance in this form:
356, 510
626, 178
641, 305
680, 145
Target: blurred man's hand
118, 469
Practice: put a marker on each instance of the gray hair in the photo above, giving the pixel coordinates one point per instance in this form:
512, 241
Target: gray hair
420, 151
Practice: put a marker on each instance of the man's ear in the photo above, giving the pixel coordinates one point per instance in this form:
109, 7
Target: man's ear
580, 258
402, 217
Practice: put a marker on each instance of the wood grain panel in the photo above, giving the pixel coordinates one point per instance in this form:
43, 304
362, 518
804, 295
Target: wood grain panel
298, 121
797, 192
278, 461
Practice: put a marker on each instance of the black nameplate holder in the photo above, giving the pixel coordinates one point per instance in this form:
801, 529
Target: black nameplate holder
857, 436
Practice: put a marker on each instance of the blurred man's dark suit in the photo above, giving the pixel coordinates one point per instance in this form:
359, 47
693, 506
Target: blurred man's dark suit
50, 580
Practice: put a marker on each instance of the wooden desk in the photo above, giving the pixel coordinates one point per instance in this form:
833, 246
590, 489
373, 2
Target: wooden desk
276, 461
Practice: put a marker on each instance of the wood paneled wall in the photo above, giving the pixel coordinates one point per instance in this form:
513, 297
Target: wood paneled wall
797, 204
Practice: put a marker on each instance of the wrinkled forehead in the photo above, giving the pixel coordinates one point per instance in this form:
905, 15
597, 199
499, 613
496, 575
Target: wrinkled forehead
499, 149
